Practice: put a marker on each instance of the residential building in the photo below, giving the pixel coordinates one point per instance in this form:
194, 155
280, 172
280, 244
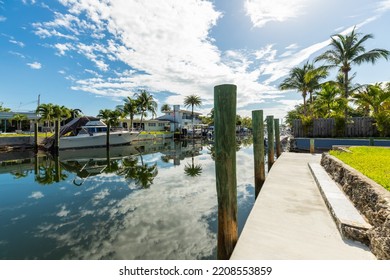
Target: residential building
181, 118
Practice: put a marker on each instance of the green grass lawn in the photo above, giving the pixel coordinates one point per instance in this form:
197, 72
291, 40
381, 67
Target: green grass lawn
374, 162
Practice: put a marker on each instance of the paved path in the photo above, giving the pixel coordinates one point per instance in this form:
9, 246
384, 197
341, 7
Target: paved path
290, 220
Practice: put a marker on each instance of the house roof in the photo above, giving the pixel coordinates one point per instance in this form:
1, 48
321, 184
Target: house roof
10, 115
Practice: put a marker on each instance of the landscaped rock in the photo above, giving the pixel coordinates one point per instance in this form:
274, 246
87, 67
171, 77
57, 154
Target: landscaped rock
370, 198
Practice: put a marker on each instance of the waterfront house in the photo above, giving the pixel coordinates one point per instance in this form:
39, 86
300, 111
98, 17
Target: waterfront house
180, 119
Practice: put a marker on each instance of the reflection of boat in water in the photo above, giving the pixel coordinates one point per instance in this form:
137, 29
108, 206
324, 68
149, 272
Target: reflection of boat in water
93, 134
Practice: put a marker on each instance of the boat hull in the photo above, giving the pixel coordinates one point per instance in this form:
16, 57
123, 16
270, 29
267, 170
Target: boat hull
97, 140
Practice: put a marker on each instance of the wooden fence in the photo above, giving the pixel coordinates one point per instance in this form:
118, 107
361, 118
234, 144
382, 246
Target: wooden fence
356, 127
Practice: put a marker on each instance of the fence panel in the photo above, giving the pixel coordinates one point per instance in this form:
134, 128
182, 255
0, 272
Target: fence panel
356, 127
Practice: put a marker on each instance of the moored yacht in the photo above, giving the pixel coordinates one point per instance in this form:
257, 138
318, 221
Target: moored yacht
93, 134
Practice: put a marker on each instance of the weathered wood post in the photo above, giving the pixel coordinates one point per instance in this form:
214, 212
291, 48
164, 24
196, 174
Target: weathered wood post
277, 138
108, 135
271, 142
258, 149
57, 168
312, 145
36, 136
57, 136
36, 164
371, 141
225, 167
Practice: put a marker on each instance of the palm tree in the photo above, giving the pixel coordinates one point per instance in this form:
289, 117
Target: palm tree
19, 118
75, 113
129, 108
165, 108
192, 100
46, 113
324, 103
348, 50
146, 103
372, 97
111, 118
297, 80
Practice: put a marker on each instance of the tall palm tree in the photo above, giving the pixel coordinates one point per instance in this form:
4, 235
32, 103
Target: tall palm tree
192, 101
130, 108
347, 50
146, 103
165, 108
46, 113
111, 118
297, 81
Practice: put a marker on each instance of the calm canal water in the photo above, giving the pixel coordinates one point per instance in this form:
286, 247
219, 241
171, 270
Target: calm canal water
144, 201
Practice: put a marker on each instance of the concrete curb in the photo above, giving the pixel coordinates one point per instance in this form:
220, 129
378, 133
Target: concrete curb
349, 221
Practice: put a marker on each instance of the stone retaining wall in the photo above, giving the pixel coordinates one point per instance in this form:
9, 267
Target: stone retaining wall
370, 198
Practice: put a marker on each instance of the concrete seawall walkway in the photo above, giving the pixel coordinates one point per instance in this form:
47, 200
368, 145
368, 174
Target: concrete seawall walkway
290, 220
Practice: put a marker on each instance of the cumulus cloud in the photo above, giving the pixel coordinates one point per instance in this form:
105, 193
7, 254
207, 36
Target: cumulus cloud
263, 11
35, 65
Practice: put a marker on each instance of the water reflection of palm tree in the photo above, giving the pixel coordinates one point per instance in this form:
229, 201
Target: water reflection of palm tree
143, 174
146, 175
129, 167
49, 172
193, 169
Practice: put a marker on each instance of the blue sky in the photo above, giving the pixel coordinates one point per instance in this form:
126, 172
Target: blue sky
90, 54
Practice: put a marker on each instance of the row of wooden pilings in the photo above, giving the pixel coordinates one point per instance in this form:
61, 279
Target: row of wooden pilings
225, 97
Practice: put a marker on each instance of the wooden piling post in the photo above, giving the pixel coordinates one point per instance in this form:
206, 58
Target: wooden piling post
312, 145
36, 164
36, 136
57, 167
57, 137
372, 141
271, 142
277, 138
225, 167
258, 149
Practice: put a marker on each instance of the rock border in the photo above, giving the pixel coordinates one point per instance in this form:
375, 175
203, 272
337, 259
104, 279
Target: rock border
370, 198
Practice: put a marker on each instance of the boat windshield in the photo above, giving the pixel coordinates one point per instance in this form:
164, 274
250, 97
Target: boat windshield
92, 130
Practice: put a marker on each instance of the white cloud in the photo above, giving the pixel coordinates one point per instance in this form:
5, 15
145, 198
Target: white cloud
3, 18
20, 44
35, 65
36, 195
263, 11
384, 6
267, 53
63, 212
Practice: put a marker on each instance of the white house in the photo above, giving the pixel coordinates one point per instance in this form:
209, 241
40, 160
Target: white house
147, 125
7, 122
180, 118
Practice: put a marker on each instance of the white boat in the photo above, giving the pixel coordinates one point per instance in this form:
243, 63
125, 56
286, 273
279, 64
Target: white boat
94, 134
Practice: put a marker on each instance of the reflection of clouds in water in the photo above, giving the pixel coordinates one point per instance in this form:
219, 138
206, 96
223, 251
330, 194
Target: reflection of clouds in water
36, 195
63, 212
19, 218
170, 220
